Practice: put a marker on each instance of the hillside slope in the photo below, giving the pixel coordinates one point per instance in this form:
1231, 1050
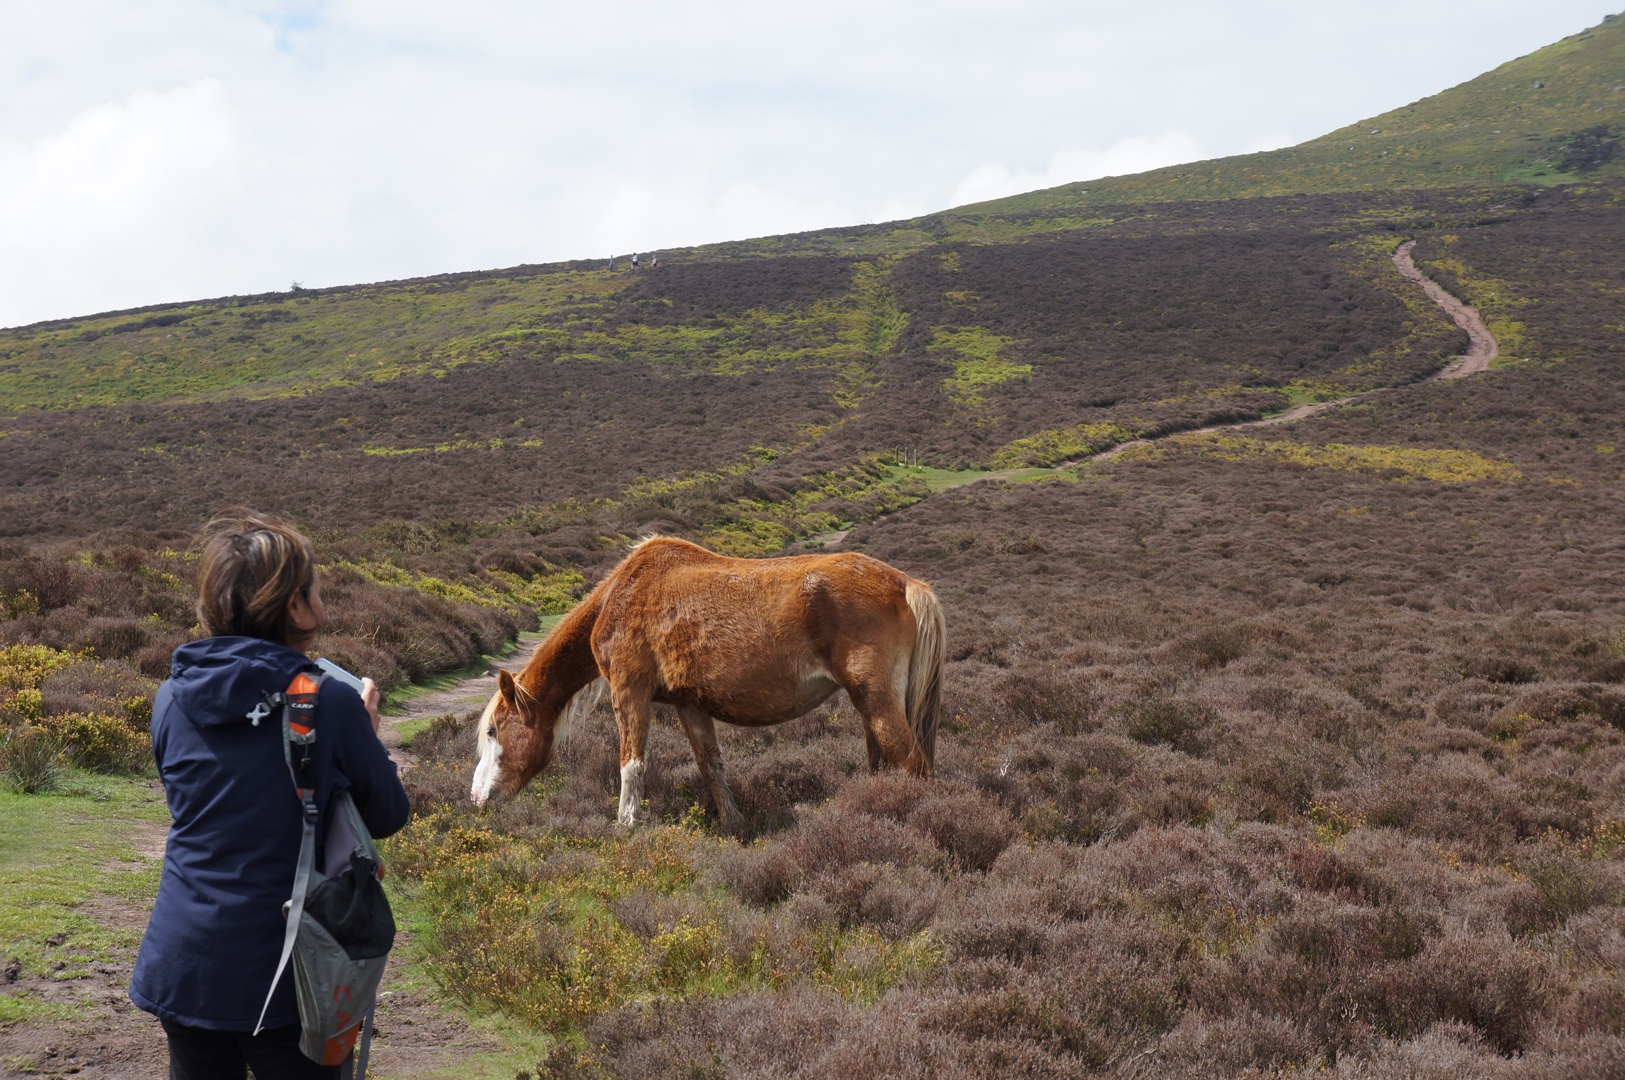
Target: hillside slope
1553, 116
1495, 130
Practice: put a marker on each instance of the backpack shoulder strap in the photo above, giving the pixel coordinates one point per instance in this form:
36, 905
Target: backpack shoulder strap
298, 708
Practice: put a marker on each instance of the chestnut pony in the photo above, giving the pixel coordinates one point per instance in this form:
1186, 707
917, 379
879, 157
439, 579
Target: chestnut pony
751, 642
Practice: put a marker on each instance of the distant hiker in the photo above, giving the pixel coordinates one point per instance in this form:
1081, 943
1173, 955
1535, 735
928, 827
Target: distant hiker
654, 261
634, 260
612, 264
217, 929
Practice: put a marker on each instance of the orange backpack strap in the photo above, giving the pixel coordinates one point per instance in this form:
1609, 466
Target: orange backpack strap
298, 707
299, 734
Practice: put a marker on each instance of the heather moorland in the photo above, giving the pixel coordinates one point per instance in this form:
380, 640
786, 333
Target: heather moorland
1266, 750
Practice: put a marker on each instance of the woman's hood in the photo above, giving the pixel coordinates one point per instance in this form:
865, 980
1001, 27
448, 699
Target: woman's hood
220, 680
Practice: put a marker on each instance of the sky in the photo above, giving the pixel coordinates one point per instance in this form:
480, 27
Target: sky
180, 149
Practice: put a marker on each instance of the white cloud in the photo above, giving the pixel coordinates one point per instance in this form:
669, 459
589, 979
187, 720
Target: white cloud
1125, 156
120, 204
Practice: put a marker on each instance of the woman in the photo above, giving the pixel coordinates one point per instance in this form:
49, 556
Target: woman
216, 932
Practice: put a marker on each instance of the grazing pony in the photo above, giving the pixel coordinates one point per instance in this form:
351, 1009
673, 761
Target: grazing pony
752, 642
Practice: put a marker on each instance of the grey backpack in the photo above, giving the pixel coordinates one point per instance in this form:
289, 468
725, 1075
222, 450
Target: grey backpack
339, 926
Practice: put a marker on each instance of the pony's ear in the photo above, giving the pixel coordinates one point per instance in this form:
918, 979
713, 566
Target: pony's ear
506, 687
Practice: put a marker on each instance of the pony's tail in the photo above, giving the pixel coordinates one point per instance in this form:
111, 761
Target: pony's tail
924, 702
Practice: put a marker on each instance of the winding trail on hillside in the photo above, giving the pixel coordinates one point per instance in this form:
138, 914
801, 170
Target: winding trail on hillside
1482, 346
1481, 349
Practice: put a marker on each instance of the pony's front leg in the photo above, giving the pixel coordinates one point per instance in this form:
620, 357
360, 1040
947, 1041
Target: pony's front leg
632, 717
702, 736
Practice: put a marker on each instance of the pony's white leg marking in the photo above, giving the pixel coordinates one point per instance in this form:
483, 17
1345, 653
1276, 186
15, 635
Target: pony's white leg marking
631, 791
485, 773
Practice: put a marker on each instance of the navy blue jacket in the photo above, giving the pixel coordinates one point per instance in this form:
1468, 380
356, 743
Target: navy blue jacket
216, 931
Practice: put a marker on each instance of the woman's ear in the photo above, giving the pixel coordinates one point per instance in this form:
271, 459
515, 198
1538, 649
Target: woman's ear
299, 613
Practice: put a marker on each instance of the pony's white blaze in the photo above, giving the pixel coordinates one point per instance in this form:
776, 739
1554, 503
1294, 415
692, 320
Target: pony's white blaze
490, 751
485, 773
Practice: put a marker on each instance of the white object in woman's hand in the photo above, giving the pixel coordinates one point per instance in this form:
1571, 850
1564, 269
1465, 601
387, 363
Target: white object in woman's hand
369, 698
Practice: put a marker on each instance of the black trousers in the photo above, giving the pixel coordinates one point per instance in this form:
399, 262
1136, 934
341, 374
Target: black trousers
200, 1054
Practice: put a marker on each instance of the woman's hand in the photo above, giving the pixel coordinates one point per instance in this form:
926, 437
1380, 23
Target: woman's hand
369, 698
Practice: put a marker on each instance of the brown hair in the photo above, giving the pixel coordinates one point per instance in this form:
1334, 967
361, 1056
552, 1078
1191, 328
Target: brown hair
252, 565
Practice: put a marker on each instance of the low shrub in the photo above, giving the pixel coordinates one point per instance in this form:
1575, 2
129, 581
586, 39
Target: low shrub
972, 829
101, 743
113, 687
31, 760
1179, 724
1491, 983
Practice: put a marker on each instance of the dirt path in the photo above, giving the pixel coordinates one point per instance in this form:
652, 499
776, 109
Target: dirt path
1481, 349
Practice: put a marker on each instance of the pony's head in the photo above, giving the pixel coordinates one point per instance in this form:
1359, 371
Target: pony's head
518, 733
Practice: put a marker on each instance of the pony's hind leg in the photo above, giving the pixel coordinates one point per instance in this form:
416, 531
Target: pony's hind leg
702, 736
632, 718
876, 758
890, 739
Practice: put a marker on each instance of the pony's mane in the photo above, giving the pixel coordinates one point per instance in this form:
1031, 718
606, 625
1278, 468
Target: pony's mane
483, 728
580, 705
577, 709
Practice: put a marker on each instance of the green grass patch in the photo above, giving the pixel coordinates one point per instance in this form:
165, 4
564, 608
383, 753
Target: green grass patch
398, 699
1518, 123
1053, 446
58, 855
1403, 463
979, 362
1305, 392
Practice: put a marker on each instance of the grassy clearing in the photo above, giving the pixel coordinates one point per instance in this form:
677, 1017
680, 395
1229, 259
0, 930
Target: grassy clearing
280, 346
400, 698
58, 854
1307, 393
284, 344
